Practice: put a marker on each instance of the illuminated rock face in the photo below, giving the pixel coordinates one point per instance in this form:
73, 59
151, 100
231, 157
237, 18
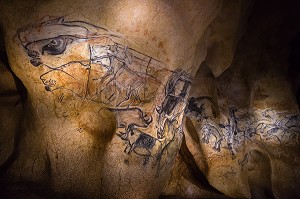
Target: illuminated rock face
242, 128
135, 100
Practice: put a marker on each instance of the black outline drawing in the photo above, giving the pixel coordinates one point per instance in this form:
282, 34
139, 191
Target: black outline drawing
115, 75
267, 125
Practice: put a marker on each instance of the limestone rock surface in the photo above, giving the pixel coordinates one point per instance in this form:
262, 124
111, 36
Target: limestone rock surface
149, 99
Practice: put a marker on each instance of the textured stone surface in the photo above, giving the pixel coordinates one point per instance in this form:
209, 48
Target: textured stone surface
247, 121
152, 99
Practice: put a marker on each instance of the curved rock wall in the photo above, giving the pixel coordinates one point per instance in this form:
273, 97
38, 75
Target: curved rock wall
108, 108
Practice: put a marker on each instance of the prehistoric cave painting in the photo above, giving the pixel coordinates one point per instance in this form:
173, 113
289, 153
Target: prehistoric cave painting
88, 62
244, 126
94, 65
195, 107
281, 129
131, 121
176, 93
135, 122
211, 130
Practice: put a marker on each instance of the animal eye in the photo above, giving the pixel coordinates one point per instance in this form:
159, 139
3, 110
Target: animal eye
56, 46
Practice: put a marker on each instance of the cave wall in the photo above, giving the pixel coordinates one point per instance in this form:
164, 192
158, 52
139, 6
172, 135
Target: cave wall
241, 123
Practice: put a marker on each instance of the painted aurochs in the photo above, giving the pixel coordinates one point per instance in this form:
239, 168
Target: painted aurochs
149, 99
